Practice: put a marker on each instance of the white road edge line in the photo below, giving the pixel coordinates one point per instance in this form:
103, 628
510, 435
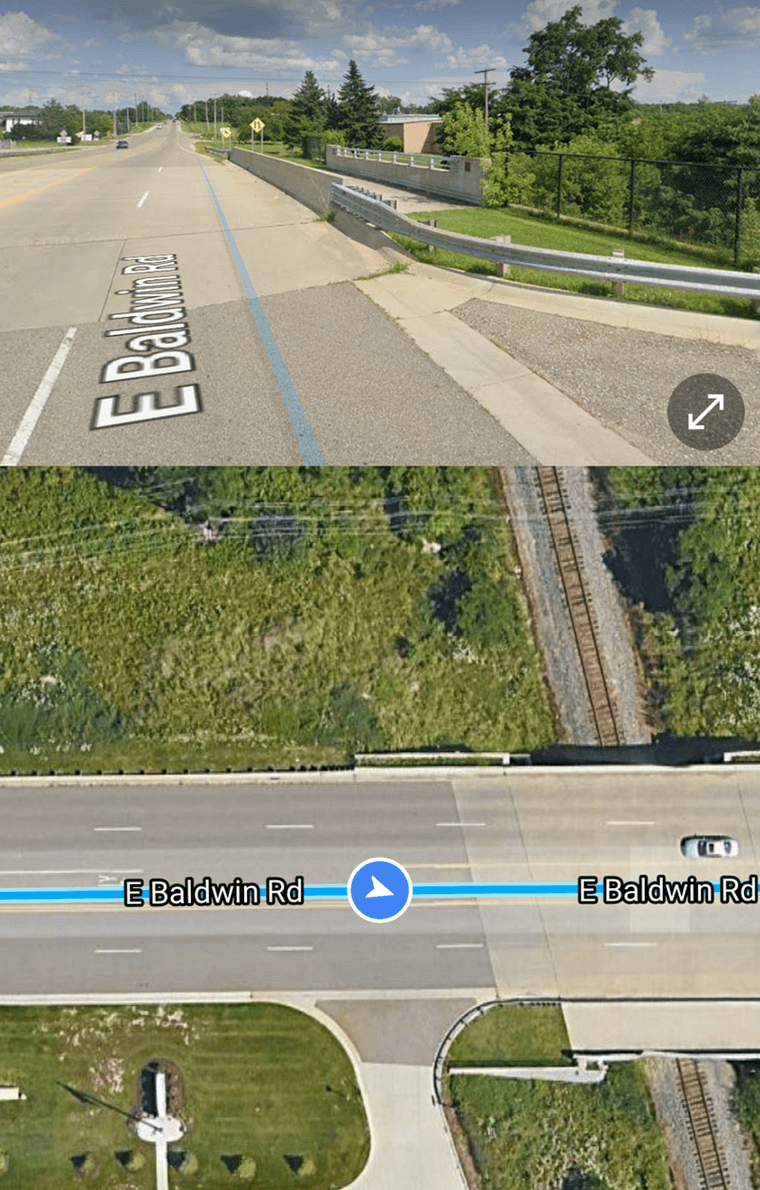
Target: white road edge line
290, 948
142, 200
118, 952
21, 438
291, 826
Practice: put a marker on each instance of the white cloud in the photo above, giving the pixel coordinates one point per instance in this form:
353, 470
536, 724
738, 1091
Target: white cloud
645, 20
541, 12
671, 86
733, 28
22, 39
202, 47
429, 5
381, 48
475, 58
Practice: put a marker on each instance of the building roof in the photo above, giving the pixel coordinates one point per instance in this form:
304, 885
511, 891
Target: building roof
402, 119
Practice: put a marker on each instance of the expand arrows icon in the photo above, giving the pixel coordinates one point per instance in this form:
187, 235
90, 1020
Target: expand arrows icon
715, 399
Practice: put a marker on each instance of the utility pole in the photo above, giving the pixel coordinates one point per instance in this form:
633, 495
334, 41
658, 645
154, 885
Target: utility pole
114, 112
81, 104
214, 119
207, 115
486, 73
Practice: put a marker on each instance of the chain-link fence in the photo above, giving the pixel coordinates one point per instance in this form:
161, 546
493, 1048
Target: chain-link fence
717, 206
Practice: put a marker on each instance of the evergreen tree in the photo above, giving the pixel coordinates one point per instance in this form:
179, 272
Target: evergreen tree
307, 112
332, 111
358, 111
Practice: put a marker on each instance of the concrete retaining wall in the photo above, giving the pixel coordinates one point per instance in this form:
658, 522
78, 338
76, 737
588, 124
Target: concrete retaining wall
460, 181
312, 188
307, 185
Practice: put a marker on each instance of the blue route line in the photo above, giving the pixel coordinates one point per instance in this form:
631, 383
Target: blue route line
315, 892
307, 442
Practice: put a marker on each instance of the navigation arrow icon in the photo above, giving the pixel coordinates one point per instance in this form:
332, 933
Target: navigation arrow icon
695, 423
378, 889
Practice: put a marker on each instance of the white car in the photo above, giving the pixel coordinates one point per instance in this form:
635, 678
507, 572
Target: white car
709, 847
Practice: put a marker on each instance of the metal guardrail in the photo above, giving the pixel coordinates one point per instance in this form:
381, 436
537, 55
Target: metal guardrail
577, 264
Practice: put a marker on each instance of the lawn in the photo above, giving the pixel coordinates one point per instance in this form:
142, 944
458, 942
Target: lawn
259, 1080
535, 232
513, 1035
321, 623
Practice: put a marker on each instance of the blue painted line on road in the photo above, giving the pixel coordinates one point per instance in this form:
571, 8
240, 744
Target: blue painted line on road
307, 442
314, 892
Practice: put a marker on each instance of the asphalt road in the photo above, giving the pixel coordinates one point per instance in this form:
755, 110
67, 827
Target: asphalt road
528, 825
270, 354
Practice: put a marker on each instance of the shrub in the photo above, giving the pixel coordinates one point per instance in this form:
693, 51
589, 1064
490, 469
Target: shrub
4, 1163
393, 144
246, 1170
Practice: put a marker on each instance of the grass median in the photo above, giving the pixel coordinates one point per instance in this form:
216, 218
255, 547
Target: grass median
535, 232
259, 1082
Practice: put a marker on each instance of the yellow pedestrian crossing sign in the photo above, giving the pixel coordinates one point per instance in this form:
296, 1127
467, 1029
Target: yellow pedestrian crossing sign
258, 125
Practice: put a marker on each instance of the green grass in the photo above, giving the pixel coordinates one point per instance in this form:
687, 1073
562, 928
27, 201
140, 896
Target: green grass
260, 1080
513, 1035
535, 232
525, 1134
319, 627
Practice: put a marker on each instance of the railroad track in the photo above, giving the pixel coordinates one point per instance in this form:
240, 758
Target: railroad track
699, 1108
603, 710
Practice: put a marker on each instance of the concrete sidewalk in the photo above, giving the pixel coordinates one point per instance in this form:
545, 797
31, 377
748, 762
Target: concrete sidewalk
568, 392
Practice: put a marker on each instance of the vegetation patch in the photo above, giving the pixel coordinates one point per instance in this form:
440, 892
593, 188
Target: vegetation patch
533, 1135
702, 651
237, 618
513, 1035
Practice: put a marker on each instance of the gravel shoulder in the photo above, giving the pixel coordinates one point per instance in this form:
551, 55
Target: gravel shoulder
622, 376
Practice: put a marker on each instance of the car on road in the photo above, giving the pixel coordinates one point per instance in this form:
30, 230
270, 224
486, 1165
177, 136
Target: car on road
709, 847
122, 144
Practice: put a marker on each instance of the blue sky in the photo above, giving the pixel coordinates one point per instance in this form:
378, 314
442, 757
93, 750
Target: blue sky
181, 50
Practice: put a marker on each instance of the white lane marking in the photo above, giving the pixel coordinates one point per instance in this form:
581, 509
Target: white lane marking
160, 168
142, 200
21, 438
118, 951
459, 946
291, 826
117, 828
69, 871
461, 824
290, 948
630, 944
632, 822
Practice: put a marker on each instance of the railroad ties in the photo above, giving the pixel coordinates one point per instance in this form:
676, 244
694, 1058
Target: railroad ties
602, 704
702, 1126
